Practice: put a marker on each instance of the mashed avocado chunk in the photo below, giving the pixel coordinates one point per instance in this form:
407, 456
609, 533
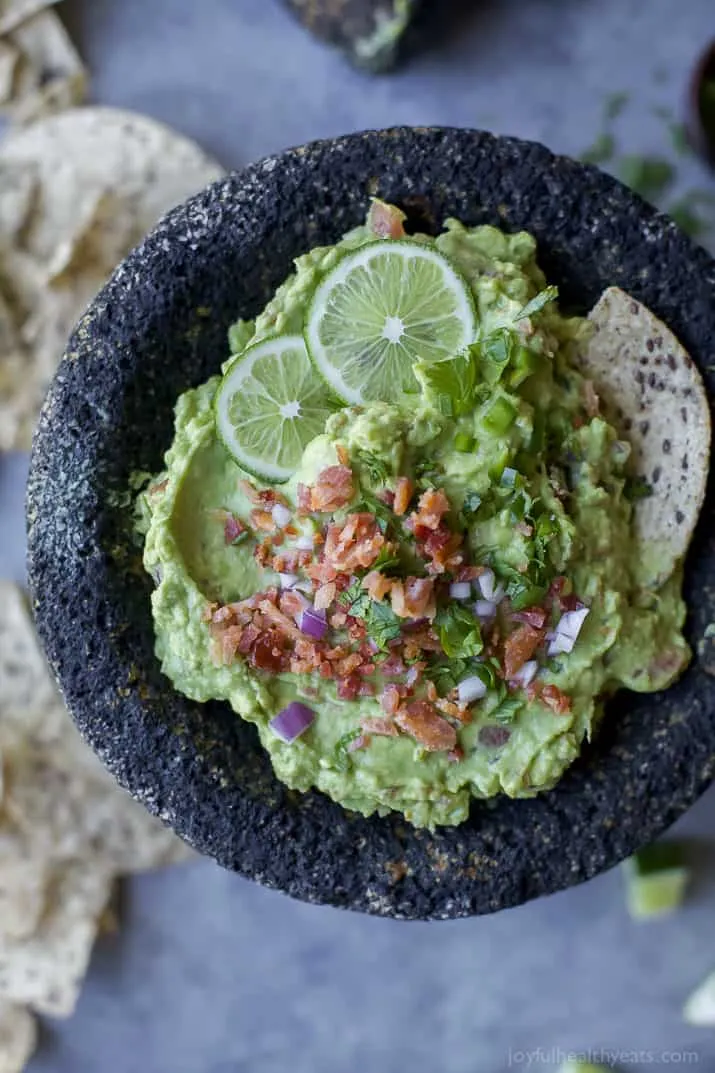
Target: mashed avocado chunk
447, 581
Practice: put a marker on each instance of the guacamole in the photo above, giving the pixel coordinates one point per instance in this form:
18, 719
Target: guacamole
447, 585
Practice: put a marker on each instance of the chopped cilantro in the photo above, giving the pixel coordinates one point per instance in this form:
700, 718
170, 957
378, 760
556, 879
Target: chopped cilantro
387, 562
649, 176
507, 710
601, 151
615, 104
459, 632
449, 384
375, 466
341, 758
369, 503
523, 594
636, 488
538, 302
382, 623
446, 676
498, 346
241, 538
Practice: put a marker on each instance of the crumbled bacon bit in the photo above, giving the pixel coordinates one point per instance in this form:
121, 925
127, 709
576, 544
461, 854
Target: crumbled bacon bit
354, 545
390, 699
280, 622
414, 598
380, 726
454, 711
404, 491
386, 221
423, 640
469, 573
262, 552
348, 664
325, 596
291, 603
338, 620
366, 689
387, 497
208, 612
431, 690
431, 508
304, 499
532, 616
443, 549
342, 454
349, 687
262, 497
333, 489
519, 647
377, 585
456, 754
269, 652
392, 666
570, 602
261, 519
556, 699
421, 722
249, 637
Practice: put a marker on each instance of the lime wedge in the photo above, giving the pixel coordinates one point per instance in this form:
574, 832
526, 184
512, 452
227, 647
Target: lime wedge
700, 1007
656, 880
382, 308
270, 404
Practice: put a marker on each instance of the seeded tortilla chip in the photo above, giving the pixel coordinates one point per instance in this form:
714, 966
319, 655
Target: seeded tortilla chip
18, 191
46, 971
652, 391
18, 1037
103, 178
24, 880
13, 12
50, 75
28, 696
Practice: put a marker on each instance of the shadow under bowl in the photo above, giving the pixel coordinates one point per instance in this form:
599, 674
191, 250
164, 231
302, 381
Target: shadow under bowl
159, 327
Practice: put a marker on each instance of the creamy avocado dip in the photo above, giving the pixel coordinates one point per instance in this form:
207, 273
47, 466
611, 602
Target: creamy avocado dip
447, 583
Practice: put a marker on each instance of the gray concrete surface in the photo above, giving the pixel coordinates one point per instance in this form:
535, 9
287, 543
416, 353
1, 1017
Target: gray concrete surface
211, 974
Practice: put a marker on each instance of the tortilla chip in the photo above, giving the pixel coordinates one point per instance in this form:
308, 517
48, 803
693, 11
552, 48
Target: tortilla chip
105, 177
50, 74
9, 57
55, 791
18, 191
24, 881
18, 1037
46, 970
13, 12
28, 696
653, 392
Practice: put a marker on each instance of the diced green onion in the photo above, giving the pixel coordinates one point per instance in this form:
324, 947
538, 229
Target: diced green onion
524, 365
509, 477
464, 442
500, 416
656, 878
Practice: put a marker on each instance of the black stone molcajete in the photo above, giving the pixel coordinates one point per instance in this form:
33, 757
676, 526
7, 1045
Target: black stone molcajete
160, 327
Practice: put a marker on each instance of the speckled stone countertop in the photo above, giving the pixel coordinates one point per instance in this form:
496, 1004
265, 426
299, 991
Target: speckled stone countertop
216, 974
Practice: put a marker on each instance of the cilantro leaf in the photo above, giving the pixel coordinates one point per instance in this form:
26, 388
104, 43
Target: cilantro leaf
538, 302
341, 757
506, 712
449, 385
498, 346
459, 632
375, 466
382, 623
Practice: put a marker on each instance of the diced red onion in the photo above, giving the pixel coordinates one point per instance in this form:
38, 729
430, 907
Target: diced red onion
471, 689
313, 623
561, 644
292, 721
288, 581
460, 590
373, 645
571, 622
485, 609
526, 674
281, 515
305, 543
305, 585
489, 587
411, 676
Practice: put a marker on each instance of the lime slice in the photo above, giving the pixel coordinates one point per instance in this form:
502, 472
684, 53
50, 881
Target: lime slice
380, 309
700, 1007
270, 405
656, 880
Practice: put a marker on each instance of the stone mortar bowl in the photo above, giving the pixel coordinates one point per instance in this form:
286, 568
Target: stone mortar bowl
157, 328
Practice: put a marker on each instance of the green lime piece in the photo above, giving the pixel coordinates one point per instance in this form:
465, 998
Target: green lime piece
383, 307
656, 879
270, 404
700, 1007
